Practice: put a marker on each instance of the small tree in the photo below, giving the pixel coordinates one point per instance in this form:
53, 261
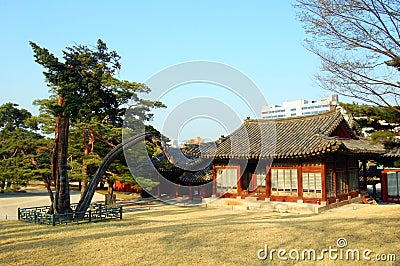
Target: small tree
24, 154
12, 117
86, 88
358, 42
373, 113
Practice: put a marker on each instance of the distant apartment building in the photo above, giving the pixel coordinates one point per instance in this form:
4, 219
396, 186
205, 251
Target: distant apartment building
174, 143
196, 140
299, 108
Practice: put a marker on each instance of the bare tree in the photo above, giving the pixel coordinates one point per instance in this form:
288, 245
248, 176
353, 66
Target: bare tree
358, 42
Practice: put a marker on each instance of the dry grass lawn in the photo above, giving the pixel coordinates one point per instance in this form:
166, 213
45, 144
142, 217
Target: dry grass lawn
200, 236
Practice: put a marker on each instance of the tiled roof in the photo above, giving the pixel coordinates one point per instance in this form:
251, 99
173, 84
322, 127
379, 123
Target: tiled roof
188, 169
296, 137
202, 176
393, 152
362, 146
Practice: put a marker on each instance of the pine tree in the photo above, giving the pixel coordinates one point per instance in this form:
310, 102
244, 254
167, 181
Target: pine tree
84, 89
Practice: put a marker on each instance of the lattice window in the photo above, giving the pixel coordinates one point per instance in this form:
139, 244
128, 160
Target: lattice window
353, 180
312, 184
393, 184
341, 182
284, 181
226, 179
330, 184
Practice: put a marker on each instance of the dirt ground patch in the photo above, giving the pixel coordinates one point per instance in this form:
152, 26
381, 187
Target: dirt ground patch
201, 236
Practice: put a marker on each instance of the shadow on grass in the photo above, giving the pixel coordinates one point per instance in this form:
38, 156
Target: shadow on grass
191, 228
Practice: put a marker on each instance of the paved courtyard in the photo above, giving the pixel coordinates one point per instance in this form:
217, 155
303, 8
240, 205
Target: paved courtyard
31, 197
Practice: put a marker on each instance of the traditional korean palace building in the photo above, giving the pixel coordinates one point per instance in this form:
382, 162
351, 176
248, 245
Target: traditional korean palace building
315, 159
390, 186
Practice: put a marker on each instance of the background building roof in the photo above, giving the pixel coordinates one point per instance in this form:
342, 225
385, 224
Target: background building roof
305, 136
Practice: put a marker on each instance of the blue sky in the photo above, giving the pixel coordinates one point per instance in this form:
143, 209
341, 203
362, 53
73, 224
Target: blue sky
262, 39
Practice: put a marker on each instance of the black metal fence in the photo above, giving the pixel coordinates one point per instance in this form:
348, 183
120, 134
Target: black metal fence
95, 213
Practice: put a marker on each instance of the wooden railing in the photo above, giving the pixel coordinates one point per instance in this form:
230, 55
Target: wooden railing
95, 213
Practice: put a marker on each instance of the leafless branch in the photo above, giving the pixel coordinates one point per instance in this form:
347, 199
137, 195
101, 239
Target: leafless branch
358, 42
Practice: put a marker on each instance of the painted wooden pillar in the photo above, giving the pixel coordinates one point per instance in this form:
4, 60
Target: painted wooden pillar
268, 182
347, 177
176, 188
239, 182
358, 176
335, 183
254, 184
214, 183
300, 180
203, 191
365, 181
384, 190
190, 191
323, 181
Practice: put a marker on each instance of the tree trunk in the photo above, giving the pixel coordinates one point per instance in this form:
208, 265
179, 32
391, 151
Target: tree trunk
54, 172
83, 182
54, 162
110, 197
110, 187
83, 186
63, 200
47, 181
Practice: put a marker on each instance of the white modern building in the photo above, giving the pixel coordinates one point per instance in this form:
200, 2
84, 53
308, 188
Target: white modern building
174, 143
299, 108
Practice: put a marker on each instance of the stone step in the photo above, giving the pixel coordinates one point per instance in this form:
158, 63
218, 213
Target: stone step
367, 199
258, 205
